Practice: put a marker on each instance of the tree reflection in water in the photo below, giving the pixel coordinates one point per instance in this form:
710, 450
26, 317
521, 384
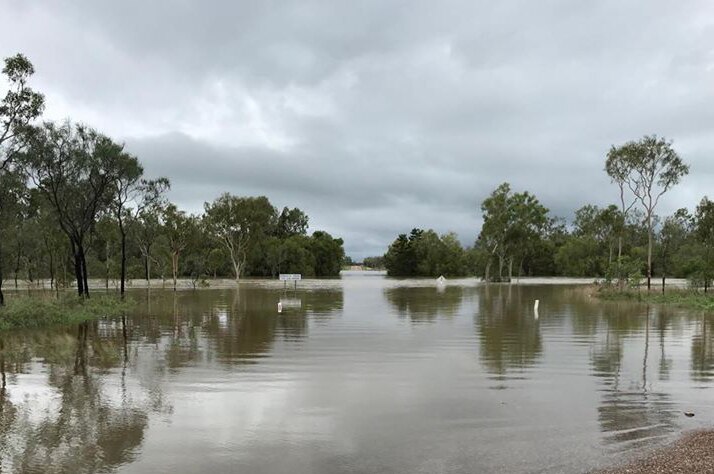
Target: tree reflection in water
631, 413
509, 335
702, 359
425, 304
230, 326
83, 427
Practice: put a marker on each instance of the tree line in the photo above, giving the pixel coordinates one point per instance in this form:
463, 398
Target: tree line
75, 203
620, 242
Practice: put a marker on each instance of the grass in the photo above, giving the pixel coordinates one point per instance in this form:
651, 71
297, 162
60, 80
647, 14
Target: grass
675, 297
43, 311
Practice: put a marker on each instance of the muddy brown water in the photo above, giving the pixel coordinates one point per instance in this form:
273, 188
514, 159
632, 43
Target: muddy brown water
358, 375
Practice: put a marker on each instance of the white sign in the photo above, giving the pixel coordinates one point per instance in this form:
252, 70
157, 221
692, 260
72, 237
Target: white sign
290, 276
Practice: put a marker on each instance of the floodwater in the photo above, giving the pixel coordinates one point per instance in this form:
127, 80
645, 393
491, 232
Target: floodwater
358, 375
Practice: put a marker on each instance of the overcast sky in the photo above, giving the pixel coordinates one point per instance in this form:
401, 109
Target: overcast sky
378, 116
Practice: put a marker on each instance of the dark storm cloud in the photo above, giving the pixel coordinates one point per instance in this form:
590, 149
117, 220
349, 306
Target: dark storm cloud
376, 116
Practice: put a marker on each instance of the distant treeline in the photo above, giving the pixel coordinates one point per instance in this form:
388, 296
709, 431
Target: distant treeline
621, 243
74, 204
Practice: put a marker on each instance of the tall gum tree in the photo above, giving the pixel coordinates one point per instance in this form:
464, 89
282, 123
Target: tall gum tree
74, 167
132, 196
20, 106
649, 167
704, 231
237, 222
178, 231
512, 224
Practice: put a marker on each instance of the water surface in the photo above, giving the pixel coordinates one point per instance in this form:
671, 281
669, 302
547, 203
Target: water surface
358, 375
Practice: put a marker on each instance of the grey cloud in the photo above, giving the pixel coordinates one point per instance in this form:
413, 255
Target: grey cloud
375, 116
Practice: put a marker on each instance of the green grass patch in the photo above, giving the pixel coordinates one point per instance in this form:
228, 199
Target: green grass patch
680, 298
41, 311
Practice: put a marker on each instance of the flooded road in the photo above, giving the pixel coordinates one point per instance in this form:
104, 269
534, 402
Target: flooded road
359, 375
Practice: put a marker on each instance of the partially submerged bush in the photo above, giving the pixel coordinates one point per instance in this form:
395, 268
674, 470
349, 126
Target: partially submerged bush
684, 298
40, 311
626, 272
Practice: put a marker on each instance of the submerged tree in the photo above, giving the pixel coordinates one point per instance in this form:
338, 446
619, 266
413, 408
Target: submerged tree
649, 167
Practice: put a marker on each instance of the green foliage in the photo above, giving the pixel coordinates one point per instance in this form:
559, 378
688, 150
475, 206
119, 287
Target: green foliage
291, 222
649, 168
625, 272
238, 223
328, 253
580, 256
425, 253
374, 263
513, 225
681, 298
39, 311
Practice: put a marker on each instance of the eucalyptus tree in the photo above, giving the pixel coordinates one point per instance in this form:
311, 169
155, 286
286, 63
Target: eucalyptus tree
649, 167
53, 242
19, 107
291, 222
178, 229
495, 211
12, 196
672, 235
601, 224
74, 167
512, 224
617, 167
147, 231
133, 195
237, 223
704, 230
328, 253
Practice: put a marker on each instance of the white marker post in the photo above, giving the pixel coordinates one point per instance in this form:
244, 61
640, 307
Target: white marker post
535, 308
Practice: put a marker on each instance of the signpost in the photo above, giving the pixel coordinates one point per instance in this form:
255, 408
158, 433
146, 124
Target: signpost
286, 277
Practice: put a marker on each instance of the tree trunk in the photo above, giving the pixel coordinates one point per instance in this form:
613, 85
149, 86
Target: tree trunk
510, 270
123, 257
77, 268
2, 296
487, 273
106, 266
649, 251
17, 267
84, 270
174, 267
520, 269
51, 256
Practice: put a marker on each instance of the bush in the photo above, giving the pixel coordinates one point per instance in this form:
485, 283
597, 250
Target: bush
41, 311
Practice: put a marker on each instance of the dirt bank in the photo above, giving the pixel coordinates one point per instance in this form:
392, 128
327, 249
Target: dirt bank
692, 454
